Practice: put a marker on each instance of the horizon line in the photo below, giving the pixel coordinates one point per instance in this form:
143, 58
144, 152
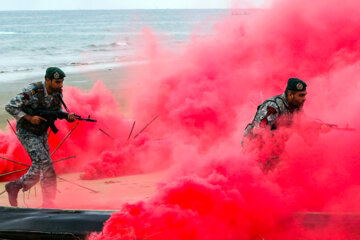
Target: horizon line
107, 9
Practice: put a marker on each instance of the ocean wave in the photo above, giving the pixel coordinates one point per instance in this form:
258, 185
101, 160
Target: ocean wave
69, 68
16, 70
125, 43
42, 49
83, 33
113, 44
7, 33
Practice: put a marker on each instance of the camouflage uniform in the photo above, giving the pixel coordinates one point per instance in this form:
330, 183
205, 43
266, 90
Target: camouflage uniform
270, 114
34, 138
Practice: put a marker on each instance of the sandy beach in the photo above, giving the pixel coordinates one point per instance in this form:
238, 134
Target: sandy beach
105, 194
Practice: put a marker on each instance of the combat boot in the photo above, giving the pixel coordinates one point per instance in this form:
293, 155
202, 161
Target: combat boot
13, 189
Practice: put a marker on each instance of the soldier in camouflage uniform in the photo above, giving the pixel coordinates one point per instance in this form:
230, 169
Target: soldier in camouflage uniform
32, 133
272, 113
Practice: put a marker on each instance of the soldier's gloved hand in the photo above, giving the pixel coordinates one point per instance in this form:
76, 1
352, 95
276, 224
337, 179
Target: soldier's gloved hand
36, 120
71, 117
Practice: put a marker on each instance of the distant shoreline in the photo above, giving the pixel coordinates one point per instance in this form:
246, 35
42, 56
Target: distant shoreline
130, 9
70, 69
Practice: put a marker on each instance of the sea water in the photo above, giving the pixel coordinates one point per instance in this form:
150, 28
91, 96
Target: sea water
31, 41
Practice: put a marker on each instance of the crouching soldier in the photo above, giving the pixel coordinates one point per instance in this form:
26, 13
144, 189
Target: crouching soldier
273, 113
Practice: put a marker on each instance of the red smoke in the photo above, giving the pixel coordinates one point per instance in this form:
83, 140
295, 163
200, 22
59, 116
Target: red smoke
204, 97
87, 142
207, 95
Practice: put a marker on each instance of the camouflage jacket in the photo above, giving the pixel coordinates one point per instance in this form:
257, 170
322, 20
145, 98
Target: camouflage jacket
268, 112
33, 98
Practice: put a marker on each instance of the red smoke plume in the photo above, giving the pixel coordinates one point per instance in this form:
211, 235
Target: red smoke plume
101, 105
206, 96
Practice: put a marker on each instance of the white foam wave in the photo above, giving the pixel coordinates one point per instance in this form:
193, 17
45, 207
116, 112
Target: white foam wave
7, 33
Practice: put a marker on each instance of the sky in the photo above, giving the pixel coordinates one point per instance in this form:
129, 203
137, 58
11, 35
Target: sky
116, 4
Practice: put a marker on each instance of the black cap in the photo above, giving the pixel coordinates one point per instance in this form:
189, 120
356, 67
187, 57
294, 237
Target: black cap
54, 73
295, 84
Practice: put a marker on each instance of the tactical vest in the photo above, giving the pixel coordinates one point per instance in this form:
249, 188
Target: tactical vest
43, 126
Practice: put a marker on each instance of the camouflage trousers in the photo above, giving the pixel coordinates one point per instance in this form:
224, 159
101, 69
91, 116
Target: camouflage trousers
268, 151
41, 168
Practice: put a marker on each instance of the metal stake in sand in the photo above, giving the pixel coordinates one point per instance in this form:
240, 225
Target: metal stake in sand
4, 174
24, 169
78, 185
61, 141
64, 139
132, 128
14, 161
11, 126
145, 126
56, 176
106, 133
62, 159
51, 155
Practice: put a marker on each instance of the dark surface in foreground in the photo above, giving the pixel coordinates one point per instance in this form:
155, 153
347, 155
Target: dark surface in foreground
33, 223
346, 221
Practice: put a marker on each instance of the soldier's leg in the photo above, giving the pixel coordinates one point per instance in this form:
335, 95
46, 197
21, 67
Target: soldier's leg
30, 142
271, 154
48, 176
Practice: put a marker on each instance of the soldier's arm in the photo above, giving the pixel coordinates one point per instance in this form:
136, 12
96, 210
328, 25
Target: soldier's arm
266, 115
15, 105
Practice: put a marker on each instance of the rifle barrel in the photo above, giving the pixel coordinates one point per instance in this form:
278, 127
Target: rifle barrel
345, 129
78, 117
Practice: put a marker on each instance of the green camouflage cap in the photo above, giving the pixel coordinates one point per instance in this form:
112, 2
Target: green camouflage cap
296, 84
54, 73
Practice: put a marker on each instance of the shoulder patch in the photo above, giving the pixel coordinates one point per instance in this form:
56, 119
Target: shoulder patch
26, 96
35, 87
270, 110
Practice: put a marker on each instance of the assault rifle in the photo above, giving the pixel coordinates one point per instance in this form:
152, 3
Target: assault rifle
52, 116
334, 126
